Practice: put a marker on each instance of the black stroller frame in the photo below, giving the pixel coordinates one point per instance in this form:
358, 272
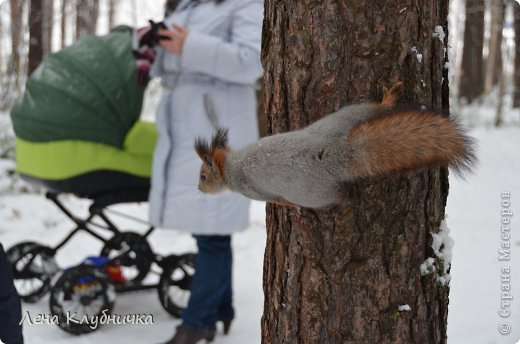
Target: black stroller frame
124, 249
96, 209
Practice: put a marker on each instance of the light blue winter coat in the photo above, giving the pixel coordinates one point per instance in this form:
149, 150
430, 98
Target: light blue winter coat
211, 83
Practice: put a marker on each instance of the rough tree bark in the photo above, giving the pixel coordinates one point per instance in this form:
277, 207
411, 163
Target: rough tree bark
338, 275
35, 35
472, 68
87, 12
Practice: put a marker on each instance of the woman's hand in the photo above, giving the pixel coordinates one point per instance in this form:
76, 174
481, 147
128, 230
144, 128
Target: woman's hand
176, 38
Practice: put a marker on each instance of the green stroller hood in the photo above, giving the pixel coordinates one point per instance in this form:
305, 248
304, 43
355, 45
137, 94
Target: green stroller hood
77, 127
87, 92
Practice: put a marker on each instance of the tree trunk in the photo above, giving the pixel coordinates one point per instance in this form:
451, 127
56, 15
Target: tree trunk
63, 24
494, 61
35, 35
339, 275
87, 12
516, 94
112, 10
16, 40
500, 103
472, 78
2, 67
48, 25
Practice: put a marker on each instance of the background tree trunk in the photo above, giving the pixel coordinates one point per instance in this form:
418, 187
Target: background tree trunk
35, 35
472, 70
338, 275
494, 61
499, 115
63, 23
516, 78
87, 12
12, 79
16, 40
48, 25
2, 66
112, 9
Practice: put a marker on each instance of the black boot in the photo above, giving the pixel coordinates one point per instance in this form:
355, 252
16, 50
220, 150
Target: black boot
185, 335
226, 324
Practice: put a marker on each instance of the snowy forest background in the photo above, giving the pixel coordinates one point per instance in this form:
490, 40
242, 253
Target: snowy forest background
484, 50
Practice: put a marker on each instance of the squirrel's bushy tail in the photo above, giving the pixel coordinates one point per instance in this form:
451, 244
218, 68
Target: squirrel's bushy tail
407, 140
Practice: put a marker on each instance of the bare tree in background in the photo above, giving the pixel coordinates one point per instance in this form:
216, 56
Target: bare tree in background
48, 26
11, 81
516, 93
64, 21
472, 68
16, 40
112, 10
87, 12
35, 35
2, 38
339, 275
494, 61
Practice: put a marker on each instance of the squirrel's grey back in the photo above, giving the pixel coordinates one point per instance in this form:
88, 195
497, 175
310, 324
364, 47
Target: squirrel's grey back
280, 164
342, 121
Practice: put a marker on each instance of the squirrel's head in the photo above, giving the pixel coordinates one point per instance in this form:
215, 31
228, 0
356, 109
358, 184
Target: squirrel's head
213, 156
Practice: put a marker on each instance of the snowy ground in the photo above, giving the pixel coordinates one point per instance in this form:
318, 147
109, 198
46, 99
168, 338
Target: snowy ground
31, 217
473, 216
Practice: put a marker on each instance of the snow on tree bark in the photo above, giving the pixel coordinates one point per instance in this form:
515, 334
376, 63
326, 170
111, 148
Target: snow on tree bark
339, 275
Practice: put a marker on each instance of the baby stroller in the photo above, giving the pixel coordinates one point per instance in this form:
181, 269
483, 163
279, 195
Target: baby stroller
78, 131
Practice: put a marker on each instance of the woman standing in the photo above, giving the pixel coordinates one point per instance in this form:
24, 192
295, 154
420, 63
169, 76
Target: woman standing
208, 64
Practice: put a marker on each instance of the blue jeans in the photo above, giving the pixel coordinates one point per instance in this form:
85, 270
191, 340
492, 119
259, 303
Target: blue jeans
10, 308
211, 289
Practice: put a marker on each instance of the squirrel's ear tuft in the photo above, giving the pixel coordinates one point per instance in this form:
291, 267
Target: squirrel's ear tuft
220, 140
201, 147
390, 96
207, 159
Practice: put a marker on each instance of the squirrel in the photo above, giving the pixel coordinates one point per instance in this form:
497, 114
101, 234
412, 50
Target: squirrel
311, 166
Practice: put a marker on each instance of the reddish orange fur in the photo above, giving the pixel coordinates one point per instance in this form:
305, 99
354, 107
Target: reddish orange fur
380, 147
390, 96
218, 156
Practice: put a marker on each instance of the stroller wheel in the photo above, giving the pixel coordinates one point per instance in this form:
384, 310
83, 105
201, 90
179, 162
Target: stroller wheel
80, 298
33, 268
175, 283
132, 252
